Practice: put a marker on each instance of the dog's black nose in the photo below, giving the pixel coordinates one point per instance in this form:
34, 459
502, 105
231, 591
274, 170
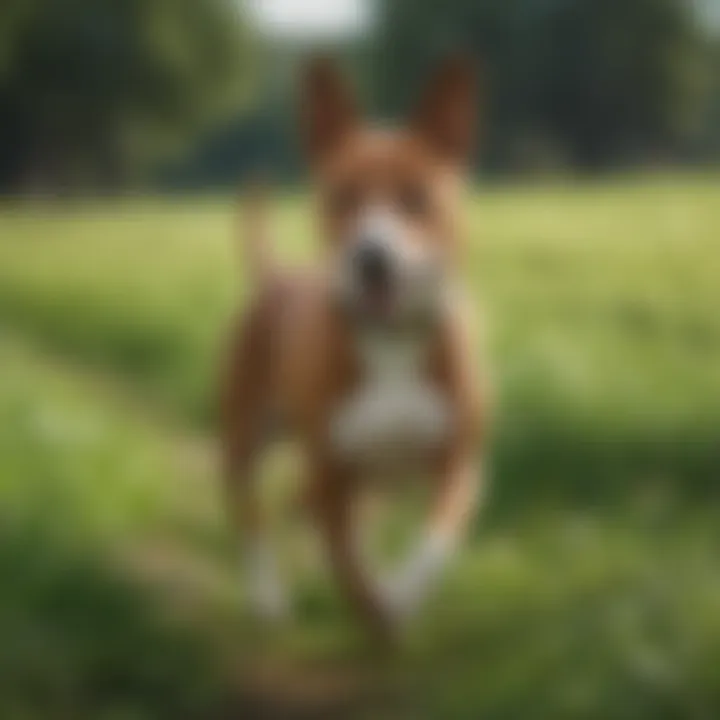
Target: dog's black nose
372, 266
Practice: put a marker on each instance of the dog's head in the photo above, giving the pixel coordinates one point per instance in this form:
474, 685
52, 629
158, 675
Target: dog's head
389, 198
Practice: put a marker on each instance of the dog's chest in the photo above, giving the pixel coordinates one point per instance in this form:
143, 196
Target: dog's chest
395, 414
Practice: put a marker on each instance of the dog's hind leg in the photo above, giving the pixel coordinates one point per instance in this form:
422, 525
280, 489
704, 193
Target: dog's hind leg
244, 406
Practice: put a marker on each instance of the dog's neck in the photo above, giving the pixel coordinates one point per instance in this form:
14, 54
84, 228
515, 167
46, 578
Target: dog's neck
392, 351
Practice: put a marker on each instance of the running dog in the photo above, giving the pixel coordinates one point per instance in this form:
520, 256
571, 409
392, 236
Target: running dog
368, 359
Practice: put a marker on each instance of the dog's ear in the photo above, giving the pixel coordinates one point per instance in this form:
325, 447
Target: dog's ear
327, 107
445, 117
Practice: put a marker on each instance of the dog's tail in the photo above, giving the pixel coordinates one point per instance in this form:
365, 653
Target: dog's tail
255, 230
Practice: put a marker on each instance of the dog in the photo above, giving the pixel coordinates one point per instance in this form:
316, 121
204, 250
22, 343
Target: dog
368, 359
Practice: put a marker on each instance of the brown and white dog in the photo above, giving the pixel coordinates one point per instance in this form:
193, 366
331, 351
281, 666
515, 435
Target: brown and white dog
369, 359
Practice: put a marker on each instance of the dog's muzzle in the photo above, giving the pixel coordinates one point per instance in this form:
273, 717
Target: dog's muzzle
382, 276
372, 267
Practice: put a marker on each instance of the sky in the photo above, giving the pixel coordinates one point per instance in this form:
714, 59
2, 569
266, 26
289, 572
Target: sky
710, 12
311, 18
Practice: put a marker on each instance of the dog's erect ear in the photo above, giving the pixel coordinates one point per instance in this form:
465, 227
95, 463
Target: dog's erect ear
445, 117
327, 107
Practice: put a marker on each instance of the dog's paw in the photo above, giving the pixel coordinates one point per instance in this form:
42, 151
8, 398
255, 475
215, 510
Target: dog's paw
405, 592
400, 602
267, 601
265, 592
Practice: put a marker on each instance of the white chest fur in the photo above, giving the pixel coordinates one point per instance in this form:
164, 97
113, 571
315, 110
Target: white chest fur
395, 414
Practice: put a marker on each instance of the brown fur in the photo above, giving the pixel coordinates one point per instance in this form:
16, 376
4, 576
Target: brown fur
292, 354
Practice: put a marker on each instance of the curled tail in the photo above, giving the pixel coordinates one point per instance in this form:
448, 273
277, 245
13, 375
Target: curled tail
255, 231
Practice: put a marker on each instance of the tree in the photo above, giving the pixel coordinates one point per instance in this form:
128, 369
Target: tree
604, 79
101, 89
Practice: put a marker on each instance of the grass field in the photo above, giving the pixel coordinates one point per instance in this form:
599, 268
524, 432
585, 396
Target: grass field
591, 587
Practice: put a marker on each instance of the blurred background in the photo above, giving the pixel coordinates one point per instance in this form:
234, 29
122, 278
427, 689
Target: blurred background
591, 585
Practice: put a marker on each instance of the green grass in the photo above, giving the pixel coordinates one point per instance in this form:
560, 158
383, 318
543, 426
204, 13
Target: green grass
590, 591
84, 490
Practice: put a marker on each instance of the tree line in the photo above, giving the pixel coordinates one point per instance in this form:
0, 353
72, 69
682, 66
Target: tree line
105, 94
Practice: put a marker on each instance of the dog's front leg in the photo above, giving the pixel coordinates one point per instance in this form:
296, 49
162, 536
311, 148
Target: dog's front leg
453, 507
458, 482
334, 502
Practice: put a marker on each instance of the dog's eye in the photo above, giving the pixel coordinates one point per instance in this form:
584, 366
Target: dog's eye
414, 200
343, 200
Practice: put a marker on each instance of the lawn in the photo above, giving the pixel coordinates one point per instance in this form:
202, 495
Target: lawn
591, 587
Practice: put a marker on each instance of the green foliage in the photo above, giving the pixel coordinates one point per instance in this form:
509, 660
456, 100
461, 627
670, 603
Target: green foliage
81, 636
591, 81
94, 89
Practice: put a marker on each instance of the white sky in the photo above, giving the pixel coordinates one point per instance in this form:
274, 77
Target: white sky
711, 11
311, 18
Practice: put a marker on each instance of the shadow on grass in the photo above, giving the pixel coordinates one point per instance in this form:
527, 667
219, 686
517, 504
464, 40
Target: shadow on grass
559, 464
85, 639
82, 640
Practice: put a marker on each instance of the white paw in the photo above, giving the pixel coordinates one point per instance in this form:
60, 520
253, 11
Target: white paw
399, 600
406, 591
265, 593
